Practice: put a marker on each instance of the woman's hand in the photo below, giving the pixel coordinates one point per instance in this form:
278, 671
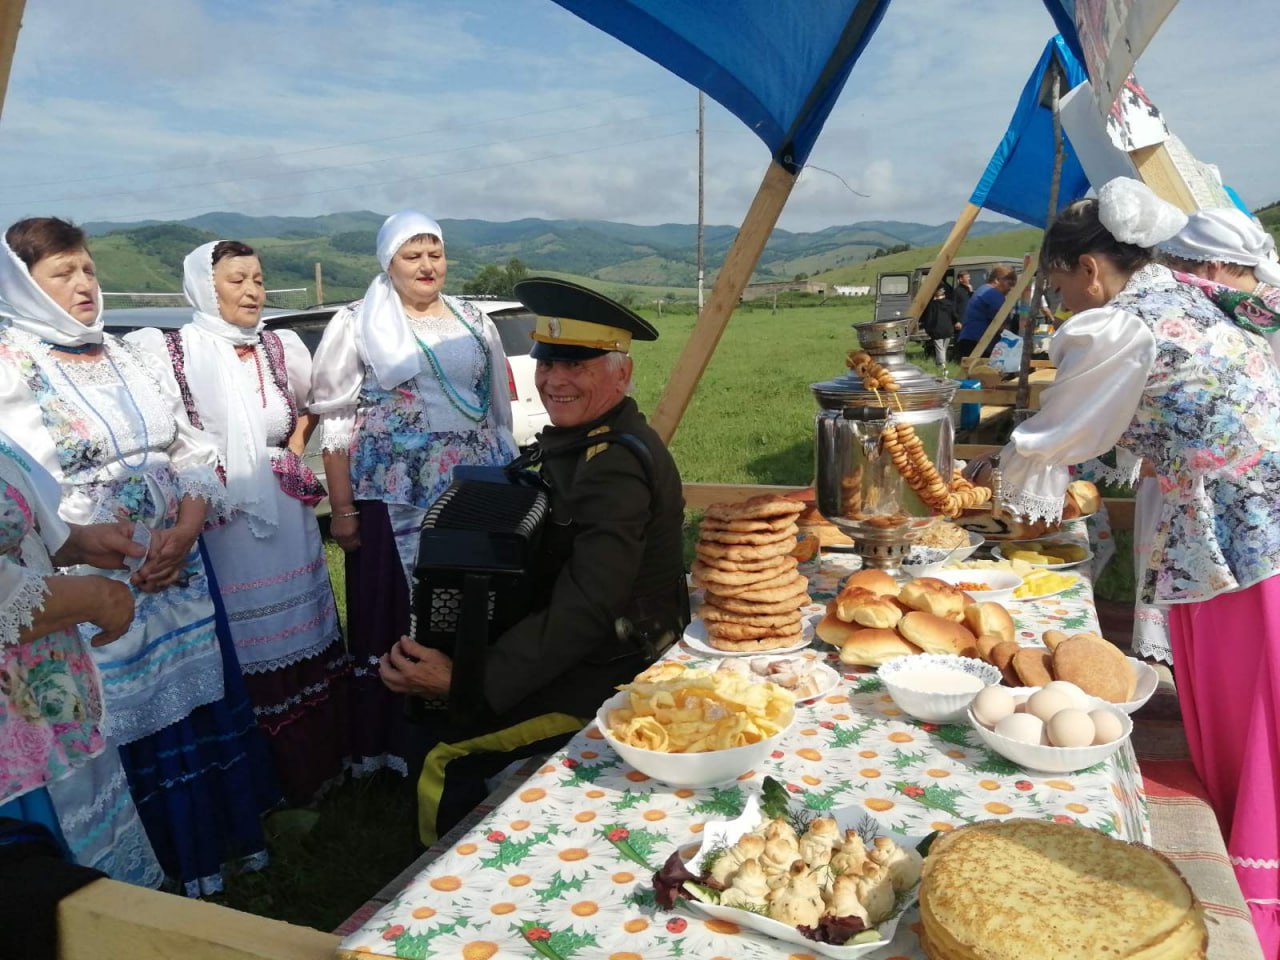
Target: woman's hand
112, 608
101, 545
345, 529
166, 559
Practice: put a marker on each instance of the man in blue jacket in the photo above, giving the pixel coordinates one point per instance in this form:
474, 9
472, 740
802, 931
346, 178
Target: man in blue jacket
983, 306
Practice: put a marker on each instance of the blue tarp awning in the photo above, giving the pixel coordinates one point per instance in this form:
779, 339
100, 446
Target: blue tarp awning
777, 66
1016, 181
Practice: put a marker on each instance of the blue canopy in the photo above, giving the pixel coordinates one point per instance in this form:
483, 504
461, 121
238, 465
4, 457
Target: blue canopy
1016, 181
777, 66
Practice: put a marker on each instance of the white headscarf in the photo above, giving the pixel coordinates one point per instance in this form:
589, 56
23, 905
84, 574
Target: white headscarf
227, 411
1132, 213
1226, 235
382, 330
31, 309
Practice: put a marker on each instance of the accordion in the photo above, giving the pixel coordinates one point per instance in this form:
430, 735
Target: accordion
474, 576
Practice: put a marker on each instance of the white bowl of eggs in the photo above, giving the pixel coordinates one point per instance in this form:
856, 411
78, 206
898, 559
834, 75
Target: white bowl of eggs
1057, 728
936, 688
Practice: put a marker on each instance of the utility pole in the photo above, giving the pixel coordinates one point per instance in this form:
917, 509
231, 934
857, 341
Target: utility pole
701, 175
319, 285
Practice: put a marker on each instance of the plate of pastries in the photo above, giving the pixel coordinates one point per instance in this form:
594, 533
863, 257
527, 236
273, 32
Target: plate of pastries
1082, 500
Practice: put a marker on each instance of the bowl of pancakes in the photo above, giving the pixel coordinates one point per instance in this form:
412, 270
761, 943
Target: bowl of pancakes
745, 564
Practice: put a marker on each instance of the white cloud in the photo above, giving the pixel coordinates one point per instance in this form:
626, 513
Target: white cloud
515, 109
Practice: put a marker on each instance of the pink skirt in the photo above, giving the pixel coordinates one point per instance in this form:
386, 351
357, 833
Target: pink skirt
1227, 656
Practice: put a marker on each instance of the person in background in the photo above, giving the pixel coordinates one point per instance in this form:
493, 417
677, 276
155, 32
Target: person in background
95, 413
247, 388
56, 767
963, 293
982, 308
939, 323
408, 383
1228, 248
614, 593
1155, 368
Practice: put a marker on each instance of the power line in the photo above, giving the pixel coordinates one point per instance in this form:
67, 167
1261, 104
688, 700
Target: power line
330, 146
81, 198
417, 179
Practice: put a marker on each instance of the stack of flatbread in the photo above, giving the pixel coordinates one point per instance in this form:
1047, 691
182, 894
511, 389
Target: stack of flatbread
754, 591
1033, 890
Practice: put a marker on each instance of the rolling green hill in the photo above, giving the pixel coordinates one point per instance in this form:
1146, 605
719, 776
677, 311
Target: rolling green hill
1011, 243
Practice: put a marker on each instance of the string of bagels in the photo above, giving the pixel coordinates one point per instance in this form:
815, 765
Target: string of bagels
907, 452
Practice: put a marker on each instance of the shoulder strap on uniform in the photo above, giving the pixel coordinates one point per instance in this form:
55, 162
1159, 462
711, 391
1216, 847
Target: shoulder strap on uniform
537, 454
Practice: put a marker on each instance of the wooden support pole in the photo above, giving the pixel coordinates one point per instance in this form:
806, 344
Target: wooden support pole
997, 321
111, 919
943, 260
1158, 171
319, 284
10, 24
731, 280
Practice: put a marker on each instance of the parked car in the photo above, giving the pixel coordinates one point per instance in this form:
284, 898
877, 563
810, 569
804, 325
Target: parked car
514, 322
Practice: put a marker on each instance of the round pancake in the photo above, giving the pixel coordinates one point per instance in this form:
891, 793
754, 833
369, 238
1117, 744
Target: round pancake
711, 613
762, 607
757, 508
746, 526
758, 644
706, 574
761, 537
720, 630
1064, 891
796, 587
744, 566
781, 578
744, 551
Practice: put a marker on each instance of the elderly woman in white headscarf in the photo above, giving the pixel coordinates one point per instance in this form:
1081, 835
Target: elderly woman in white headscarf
409, 383
247, 388
99, 415
1151, 365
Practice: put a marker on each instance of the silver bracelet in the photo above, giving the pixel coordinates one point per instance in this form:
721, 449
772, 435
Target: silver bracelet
349, 513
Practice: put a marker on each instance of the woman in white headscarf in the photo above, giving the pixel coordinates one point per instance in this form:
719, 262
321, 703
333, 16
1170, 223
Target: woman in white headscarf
408, 383
55, 766
1157, 369
102, 418
247, 388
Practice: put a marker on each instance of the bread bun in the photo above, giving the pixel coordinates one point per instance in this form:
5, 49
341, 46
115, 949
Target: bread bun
1096, 667
1070, 509
879, 612
877, 581
831, 629
1034, 666
934, 634
849, 599
931, 595
1085, 495
989, 617
871, 648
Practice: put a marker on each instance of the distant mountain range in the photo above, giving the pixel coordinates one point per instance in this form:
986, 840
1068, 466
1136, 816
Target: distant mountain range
147, 256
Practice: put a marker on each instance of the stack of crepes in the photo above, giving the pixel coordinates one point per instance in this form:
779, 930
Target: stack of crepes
1034, 890
754, 591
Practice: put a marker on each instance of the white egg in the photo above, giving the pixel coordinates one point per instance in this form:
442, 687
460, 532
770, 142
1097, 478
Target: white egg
992, 704
1107, 726
1022, 727
1045, 703
1070, 728
1020, 703
1080, 699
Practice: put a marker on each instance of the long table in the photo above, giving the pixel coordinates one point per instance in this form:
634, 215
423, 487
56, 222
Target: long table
561, 868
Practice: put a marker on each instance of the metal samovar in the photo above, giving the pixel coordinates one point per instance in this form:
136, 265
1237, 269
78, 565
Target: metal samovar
858, 487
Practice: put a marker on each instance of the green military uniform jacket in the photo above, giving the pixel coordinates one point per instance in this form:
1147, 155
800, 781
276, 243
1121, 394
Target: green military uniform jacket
621, 582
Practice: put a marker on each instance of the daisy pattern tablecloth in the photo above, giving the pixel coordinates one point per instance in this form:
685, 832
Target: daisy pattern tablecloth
561, 869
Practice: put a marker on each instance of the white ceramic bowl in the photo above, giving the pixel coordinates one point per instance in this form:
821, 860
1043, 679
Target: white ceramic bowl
932, 707
1047, 759
687, 769
1001, 582
922, 561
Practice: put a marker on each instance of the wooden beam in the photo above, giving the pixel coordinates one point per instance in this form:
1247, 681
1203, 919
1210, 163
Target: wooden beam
945, 255
1158, 171
10, 24
731, 280
111, 919
1014, 295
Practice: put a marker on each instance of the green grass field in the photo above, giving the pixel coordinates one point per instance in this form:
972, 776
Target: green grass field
751, 421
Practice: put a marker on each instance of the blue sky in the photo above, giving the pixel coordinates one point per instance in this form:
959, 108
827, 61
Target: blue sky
503, 109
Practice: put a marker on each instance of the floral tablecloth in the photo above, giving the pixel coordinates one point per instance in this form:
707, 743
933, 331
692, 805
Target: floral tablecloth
561, 869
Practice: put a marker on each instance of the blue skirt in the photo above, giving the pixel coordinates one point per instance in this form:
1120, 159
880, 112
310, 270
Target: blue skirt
202, 784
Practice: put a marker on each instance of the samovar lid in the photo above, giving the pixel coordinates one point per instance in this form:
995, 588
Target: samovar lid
886, 341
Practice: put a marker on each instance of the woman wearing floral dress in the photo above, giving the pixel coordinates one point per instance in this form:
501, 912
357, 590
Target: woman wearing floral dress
1154, 367
94, 412
55, 767
408, 384
247, 388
